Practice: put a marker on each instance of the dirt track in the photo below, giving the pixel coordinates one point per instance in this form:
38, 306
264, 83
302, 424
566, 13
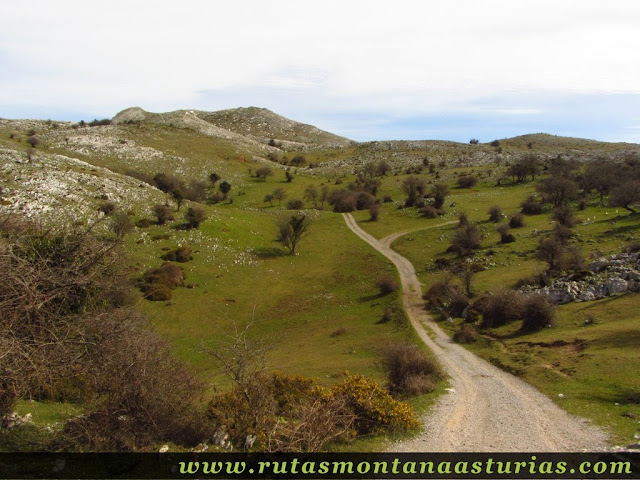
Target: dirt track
486, 408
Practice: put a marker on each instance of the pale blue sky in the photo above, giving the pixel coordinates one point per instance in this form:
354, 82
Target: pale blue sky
367, 70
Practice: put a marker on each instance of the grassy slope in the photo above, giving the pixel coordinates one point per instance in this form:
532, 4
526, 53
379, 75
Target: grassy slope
596, 373
240, 273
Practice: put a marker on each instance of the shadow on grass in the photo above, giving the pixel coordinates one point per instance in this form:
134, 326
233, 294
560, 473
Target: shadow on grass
370, 298
269, 252
622, 339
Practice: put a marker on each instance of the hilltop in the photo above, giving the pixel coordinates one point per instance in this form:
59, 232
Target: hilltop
253, 127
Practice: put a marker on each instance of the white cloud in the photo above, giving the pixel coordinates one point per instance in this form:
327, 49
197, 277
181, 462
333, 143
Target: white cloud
404, 57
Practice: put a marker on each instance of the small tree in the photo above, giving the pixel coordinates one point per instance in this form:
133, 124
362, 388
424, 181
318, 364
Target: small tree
195, 216
311, 194
214, 178
178, 196
121, 224
551, 250
439, 193
279, 194
298, 160
626, 195
293, 229
268, 198
413, 187
557, 190
263, 172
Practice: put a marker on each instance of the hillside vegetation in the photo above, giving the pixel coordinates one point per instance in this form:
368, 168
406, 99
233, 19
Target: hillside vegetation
196, 201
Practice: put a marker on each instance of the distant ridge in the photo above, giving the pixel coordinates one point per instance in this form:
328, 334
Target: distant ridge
253, 125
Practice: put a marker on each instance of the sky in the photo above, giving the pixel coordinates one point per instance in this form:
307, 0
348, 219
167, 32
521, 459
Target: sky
366, 70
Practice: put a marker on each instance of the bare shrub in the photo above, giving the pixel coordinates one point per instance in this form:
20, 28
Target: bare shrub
495, 214
143, 223
338, 332
143, 396
295, 204
157, 283
107, 208
409, 371
531, 206
500, 308
465, 240
465, 334
516, 221
58, 310
467, 181
195, 216
538, 313
121, 224
162, 213
374, 212
505, 236
429, 211
181, 254
387, 284
564, 216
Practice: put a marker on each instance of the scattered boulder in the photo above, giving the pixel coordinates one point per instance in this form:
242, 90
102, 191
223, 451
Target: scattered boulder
14, 420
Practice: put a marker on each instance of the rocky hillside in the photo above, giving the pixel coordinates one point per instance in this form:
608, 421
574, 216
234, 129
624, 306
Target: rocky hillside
254, 127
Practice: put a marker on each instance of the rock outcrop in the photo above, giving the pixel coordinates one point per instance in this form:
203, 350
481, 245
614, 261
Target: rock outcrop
605, 277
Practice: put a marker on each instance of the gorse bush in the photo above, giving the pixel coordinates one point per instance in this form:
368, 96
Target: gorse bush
375, 410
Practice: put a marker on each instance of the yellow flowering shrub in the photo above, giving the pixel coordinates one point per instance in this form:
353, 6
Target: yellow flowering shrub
375, 409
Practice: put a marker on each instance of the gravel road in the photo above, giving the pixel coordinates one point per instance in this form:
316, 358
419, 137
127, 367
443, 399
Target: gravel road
486, 409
